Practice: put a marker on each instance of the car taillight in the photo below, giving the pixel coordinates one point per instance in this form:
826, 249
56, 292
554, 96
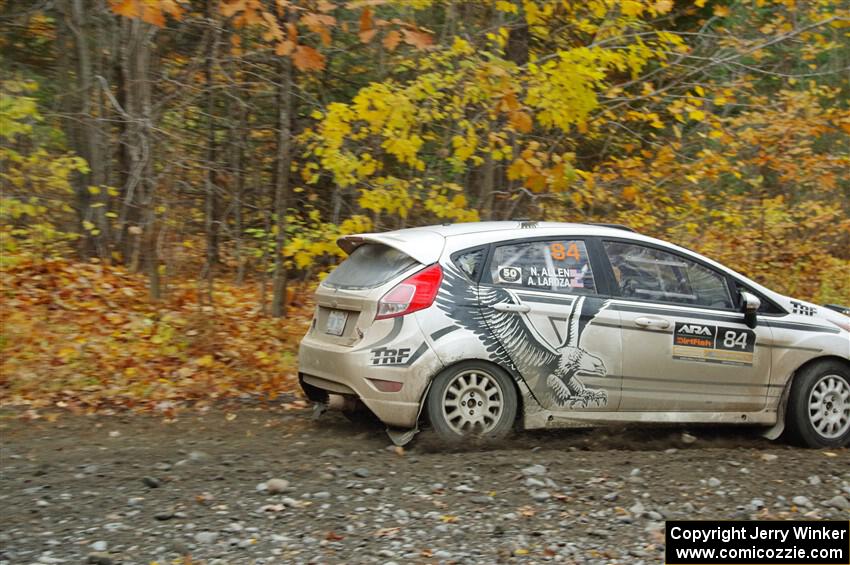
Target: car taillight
416, 292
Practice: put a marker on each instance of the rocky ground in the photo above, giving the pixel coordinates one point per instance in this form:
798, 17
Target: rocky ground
275, 487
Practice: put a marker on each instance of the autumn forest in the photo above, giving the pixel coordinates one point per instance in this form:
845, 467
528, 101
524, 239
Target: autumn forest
175, 173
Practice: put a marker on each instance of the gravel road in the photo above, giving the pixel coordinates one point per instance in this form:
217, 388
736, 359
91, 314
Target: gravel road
254, 486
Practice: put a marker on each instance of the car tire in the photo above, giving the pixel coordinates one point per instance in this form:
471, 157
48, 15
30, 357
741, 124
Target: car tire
491, 392
819, 405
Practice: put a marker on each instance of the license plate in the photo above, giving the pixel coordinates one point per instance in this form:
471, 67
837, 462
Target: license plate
336, 322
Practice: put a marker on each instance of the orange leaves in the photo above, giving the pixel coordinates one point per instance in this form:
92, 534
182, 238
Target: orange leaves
368, 35
284, 48
229, 7
84, 335
367, 26
320, 24
279, 29
150, 11
292, 32
244, 12
540, 171
273, 31
521, 121
417, 38
318, 21
663, 6
307, 58
392, 40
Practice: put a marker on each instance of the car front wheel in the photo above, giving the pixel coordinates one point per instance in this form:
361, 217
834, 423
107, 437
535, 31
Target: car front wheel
819, 405
472, 399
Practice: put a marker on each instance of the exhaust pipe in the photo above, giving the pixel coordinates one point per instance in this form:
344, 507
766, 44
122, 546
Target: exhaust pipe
339, 402
342, 402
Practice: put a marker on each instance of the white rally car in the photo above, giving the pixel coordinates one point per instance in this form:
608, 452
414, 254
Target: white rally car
480, 328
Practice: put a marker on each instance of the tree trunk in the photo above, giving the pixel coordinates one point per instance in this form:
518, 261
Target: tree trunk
86, 135
150, 252
516, 49
210, 203
281, 189
267, 227
485, 194
137, 218
237, 167
103, 130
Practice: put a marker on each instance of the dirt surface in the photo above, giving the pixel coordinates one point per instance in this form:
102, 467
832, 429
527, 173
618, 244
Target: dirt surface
136, 489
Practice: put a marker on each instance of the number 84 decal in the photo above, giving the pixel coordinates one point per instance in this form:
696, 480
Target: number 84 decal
734, 339
713, 344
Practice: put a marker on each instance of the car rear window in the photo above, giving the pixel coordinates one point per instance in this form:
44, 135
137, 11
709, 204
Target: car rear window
470, 262
368, 266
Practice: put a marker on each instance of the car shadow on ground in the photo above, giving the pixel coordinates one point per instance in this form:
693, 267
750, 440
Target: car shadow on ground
617, 438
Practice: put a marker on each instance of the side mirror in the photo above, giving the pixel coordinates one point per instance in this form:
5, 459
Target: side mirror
750, 305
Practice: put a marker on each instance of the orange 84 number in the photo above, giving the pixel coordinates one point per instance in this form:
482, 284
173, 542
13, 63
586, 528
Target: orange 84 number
559, 252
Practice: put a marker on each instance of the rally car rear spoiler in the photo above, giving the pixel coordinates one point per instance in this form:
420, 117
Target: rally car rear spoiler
423, 245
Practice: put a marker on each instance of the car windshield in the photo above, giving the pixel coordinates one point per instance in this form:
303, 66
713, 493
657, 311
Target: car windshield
369, 266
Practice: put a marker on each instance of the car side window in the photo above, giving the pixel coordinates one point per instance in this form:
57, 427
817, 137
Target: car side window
557, 265
470, 262
647, 273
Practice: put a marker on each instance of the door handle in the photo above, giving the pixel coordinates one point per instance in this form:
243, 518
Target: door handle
504, 307
654, 323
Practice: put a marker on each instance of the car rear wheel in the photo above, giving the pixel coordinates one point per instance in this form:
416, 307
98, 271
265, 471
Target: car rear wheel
819, 405
472, 399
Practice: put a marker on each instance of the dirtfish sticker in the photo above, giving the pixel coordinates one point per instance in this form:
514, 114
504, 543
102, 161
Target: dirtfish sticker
713, 344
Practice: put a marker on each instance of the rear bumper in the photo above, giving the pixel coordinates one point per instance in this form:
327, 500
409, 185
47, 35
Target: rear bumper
406, 359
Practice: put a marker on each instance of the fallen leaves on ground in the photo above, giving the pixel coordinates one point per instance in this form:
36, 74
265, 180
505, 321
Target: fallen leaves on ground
85, 336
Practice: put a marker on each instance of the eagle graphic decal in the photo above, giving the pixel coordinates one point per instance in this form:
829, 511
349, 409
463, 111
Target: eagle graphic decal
495, 316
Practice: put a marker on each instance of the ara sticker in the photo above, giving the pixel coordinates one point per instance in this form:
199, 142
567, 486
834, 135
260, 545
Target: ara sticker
713, 344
